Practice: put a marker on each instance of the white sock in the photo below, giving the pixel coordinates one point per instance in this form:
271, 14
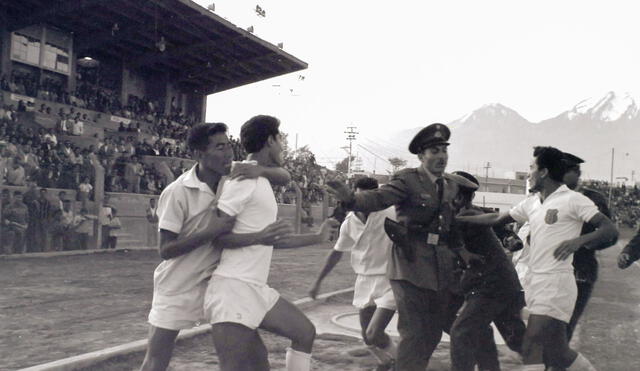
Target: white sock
581, 364
297, 361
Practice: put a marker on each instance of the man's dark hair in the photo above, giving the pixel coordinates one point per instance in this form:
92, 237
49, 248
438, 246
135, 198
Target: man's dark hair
198, 138
550, 158
366, 183
255, 132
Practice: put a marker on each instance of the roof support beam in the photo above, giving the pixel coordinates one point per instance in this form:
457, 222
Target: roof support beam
58, 7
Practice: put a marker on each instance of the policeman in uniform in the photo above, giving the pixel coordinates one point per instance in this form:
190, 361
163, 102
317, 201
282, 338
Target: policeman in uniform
422, 269
585, 264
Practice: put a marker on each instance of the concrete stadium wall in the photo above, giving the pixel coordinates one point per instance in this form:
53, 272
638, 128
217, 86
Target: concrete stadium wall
502, 201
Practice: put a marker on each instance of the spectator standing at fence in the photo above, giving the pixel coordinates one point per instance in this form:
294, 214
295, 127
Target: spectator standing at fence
45, 215
84, 228
62, 196
114, 228
5, 164
5, 201
132, 173
152, 218
106, 212
68, 223
84, 191
14, 223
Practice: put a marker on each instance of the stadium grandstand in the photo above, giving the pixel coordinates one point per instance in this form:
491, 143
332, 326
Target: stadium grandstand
96, 100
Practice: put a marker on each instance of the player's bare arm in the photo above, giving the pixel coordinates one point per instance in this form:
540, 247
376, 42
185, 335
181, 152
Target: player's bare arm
328, 228
332, 259
171, 246
605, 231
276, 175
268, 236
486, 220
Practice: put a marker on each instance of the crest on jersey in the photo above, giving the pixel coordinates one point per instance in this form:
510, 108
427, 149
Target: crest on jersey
551, 217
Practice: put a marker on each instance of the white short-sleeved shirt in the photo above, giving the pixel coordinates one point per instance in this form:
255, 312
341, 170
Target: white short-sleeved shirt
368, 243
253, 203
185, 207
559, 218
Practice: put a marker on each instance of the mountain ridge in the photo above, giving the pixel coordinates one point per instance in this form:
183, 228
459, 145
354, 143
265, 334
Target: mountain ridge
498, 134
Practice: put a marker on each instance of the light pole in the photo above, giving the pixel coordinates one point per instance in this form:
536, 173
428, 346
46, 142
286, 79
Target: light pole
613, 151
486, 176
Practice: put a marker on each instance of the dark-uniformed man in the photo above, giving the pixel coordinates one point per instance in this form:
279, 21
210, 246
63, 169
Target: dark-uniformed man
422, 270
491, 289
585, 264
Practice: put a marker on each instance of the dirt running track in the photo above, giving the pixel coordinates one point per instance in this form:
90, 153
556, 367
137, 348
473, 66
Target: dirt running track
53, 308
609, 334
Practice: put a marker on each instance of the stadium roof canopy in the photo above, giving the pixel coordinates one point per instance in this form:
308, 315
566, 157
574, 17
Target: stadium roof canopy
203, 50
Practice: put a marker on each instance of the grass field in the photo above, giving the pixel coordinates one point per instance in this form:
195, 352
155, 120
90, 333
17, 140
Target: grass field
53, 308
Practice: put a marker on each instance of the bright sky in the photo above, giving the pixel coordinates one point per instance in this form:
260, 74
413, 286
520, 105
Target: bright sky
389, 66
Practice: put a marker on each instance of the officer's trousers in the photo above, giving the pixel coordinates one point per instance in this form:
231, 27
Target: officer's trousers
585, 288
472, 336
423, 315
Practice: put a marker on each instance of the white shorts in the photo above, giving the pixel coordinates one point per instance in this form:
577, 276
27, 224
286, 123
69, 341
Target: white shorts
180, 311
373, 290
551, 294
232, 300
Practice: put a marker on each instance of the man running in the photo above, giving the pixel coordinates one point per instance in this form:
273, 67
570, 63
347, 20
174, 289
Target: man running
188, 225
585, 264
555, 216
238, 300
363, 235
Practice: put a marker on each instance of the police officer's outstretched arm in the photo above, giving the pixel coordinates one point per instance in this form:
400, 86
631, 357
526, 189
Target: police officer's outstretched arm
486, 220
381, 198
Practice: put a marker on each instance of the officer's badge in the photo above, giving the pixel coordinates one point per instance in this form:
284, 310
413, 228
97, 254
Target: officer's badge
551, 217
438, 134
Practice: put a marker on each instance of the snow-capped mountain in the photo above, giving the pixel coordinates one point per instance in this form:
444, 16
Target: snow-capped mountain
590, 129
612, 107
495, 113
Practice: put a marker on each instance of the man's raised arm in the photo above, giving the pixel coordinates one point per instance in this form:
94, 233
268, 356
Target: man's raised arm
486, 220
171, 246
605, 232
276, 175
378, 199
327, 229
268, 236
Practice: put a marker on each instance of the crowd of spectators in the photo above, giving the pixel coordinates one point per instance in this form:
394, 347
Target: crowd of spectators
164, 134
625, 201
28, 154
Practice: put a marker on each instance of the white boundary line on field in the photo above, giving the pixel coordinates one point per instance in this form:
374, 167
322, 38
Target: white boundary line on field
88, 359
